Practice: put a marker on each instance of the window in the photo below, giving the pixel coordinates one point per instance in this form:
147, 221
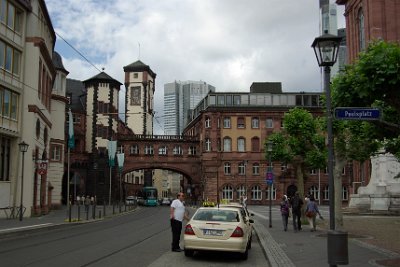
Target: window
242, 168
255, 144
148, 150
207, 122
314, 192
178, 150
227, 192
326, 192
221, 100
236, 100
255, 123
207, 144
256, 169
241, 191
55, 153
134, 150
345, 193
11, 16
256, 193
241, 144
344, 171
135, 75
241, 123
361, 30
227, 144
9, 58
162, 150
269, 123
192, 150
5, 146
135, 96
313, 171
273, 192
37, 129
227, 122
227, 168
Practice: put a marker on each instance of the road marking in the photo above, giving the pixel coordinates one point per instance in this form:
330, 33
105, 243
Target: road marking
25, 227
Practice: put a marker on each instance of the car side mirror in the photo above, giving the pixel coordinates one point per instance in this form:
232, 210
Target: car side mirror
251, 214
251, 220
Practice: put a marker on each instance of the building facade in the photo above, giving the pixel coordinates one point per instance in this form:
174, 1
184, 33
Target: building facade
233, 126
32, 100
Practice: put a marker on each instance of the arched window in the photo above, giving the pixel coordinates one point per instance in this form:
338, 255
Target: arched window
241, 144
241, 191
255, 123
227, 144
241, 123
256, 193
242, 168
227, 192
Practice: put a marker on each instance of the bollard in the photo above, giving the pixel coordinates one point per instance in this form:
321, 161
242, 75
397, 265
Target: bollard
113, 208
79, 212
337, 248
87, 213
104, 210
99, 214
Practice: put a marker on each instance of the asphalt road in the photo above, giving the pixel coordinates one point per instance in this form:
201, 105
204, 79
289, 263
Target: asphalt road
141, 238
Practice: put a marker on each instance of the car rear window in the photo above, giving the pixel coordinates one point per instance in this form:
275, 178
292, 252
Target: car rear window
217, 215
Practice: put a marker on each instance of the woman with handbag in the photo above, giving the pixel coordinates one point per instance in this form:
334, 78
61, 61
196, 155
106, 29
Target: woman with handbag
311, 213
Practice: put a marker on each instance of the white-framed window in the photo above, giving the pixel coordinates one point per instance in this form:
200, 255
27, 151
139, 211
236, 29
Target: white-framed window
242, 168
326, 192
227, 192
314, 192
241, 144
255, 123
163, 150
178, 150
227, 122
313, 171
134, 149
241, 191
55, 152
227, 168
227, 144
269, 123
207, 144
256, 169
273, 192
207, 122
256, 193
149, 150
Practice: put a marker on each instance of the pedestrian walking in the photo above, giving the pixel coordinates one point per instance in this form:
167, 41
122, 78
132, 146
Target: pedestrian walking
87, 203
285, 212
311, 213
177, 215
296, 202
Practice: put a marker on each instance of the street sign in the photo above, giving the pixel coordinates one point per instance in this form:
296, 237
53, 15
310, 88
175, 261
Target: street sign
269, 179
345, 113
42, 167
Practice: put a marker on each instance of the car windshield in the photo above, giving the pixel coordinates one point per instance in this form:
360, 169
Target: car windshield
217, 215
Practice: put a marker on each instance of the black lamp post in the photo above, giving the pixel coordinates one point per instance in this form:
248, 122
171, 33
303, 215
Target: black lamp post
23, 147
326, 49
270, 185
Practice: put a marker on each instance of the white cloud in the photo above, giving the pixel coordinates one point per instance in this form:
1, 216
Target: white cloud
227, 43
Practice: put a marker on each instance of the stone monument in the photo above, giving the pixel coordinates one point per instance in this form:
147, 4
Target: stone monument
382, 194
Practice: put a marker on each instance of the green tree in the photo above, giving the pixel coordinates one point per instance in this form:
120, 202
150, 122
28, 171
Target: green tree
300, 144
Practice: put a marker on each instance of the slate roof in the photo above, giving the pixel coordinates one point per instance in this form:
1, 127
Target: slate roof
57, 62
103, 77
76, 89
139, 66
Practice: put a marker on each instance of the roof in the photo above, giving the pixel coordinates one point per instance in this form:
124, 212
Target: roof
266, 87
102, 77
139, 66
57, 62
76, 89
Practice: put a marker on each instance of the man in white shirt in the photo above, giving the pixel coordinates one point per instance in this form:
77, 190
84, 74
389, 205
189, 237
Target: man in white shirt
177, 214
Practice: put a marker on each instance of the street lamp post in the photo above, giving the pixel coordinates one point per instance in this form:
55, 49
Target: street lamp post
23, 147
270, 181
326, 49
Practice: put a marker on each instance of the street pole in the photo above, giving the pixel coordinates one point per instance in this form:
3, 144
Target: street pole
270, 193
23, 147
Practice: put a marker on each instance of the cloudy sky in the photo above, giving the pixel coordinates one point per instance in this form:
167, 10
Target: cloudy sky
227, 43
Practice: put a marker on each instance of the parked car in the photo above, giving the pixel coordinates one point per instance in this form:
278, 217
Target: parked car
248, 219
131, 200
165, 201
218, 229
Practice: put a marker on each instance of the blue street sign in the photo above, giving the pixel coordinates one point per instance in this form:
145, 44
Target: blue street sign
269, 179
357, 113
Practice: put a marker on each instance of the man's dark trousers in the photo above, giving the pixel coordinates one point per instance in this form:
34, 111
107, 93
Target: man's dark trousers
296, 219
176, 227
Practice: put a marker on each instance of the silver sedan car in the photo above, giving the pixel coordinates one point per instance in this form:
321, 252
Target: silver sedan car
218, 229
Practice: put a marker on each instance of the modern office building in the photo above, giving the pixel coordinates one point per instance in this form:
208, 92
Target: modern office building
180, 97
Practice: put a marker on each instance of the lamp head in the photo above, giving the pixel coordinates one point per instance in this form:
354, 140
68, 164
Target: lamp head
23, 147
326, 49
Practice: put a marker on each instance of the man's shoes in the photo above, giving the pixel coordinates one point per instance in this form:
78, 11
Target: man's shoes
177, 250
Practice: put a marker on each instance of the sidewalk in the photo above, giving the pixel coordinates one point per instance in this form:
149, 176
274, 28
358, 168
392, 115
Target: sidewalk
306, 248
60, 217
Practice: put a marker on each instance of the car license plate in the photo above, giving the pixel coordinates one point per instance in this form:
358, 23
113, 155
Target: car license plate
212, 232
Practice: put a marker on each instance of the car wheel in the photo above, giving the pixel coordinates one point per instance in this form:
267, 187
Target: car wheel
189, 253
245, 255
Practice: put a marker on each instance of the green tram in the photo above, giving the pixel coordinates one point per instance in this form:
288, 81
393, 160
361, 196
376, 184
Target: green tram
150, 196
